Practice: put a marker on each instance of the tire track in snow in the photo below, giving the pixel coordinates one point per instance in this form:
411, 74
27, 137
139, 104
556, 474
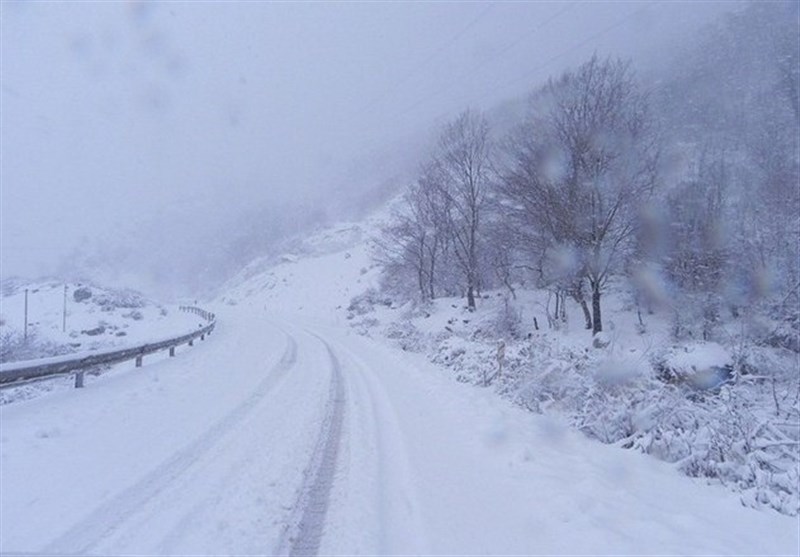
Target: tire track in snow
106, 519
395, 514
304, 530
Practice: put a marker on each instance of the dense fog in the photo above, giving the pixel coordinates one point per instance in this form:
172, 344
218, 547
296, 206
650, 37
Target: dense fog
164, 145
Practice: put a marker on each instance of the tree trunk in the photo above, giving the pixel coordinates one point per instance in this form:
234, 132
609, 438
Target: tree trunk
597, 320
557, 311
577, 295
471, 297
431, 278
587, 316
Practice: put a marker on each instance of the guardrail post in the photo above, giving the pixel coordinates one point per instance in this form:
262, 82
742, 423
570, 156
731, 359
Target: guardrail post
79, 380
138, 361
171, 351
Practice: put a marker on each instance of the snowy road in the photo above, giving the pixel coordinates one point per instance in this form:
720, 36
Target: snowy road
289, 437
190, 455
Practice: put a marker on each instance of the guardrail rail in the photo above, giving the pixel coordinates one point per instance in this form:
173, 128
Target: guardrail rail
15, 373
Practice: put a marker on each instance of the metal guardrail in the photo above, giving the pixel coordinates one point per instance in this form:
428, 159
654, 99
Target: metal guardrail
207, 315
32, 370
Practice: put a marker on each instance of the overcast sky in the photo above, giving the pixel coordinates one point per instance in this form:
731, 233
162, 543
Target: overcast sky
122, 116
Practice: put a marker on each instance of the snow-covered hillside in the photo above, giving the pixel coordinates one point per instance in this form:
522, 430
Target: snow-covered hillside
632, 386
317, 280
96, 318
288, 432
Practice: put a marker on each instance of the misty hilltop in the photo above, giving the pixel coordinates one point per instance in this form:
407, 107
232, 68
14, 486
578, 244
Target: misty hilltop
164, 145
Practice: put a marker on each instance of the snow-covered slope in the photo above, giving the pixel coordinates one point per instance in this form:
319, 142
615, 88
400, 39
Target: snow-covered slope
288, 432
96, 318
317, 280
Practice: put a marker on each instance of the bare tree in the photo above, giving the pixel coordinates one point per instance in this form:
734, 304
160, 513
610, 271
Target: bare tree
412, 242
400, 249
461, 169
697, 256
579, 169
731, 108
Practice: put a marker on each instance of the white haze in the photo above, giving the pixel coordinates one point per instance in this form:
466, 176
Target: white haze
162, 144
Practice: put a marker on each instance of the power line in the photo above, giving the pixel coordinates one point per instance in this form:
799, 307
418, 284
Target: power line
538, 68
506, 48
525, 35
430, 58
572, 49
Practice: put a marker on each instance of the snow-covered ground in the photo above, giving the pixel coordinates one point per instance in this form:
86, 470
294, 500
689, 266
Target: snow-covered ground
96, 318
289, 432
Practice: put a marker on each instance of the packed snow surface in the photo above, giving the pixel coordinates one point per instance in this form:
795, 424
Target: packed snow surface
286, 432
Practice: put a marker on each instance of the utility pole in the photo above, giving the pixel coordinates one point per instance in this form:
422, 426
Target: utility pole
64, 320
25, 331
